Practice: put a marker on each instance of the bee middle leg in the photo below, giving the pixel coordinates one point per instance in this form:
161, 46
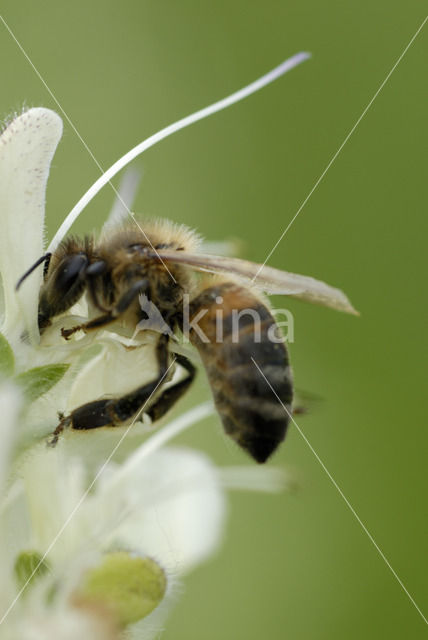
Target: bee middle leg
122, 305
172, 394
112, 412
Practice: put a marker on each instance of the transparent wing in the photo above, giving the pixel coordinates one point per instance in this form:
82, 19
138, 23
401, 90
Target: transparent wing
268, 279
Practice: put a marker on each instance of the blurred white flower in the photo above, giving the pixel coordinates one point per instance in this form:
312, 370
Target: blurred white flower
89, 544
163, 505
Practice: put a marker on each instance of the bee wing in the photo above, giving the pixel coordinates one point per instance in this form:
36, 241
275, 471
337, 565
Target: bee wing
268, 279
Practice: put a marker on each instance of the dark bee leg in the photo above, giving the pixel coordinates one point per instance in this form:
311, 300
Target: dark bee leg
171, 395
124, 302
112, 412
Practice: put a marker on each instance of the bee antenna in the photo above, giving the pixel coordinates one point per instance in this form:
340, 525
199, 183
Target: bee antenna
38, 262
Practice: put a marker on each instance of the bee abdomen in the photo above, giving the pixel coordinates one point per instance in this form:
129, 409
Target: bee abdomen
248, 368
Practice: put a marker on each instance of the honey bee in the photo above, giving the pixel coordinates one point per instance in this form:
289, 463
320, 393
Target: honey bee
160, 262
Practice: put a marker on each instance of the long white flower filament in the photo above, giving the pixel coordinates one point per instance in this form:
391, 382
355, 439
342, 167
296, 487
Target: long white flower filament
255, 86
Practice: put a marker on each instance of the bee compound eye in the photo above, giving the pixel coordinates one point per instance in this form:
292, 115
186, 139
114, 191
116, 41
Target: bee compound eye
69, 271
63, 288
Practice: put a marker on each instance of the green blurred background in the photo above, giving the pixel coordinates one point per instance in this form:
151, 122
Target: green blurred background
296, 565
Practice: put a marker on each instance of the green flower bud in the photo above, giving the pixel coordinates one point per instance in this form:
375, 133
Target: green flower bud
128, 585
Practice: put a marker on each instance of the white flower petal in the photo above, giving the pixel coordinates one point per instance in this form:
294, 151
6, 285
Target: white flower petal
173, 508
115, 371
121, 209
65, 623
54, 488
27, 146
9, 409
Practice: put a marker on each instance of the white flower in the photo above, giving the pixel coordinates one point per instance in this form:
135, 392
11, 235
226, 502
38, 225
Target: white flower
72, 517
60, 508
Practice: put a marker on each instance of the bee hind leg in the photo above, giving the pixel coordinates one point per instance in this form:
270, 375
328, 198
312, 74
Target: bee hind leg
112, 412
172, 394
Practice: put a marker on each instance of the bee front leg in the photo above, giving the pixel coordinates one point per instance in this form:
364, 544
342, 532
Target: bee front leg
123, 304
64, 422
113, 412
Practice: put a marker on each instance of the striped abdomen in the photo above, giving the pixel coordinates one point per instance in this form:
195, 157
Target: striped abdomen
235, 335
